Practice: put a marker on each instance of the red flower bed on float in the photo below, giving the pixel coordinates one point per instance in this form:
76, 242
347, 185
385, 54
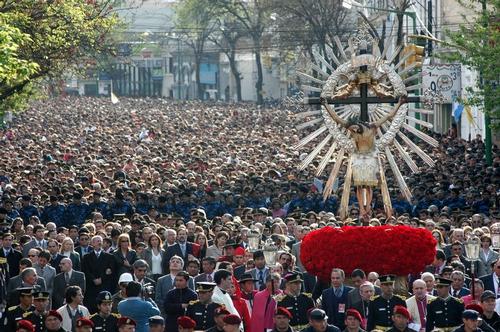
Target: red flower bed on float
398, 250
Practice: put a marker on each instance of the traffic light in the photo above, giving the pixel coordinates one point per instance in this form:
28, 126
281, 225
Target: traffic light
417, 57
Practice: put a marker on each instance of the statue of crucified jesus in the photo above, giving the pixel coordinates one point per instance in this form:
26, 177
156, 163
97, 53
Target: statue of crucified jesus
365, 170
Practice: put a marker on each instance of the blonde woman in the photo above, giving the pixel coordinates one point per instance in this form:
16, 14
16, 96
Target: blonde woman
124, 255
68, 250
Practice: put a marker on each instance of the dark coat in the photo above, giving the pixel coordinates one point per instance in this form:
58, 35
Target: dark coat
331, 304
173, 305
103, 267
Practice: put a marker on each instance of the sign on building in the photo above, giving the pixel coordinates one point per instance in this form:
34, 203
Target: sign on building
443, 78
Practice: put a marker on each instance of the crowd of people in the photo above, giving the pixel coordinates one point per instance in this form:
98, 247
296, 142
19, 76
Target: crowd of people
137, 215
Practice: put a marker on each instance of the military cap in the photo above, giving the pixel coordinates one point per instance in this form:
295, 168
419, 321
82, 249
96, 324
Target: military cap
440, 281
156, 320
221, 311
487, 294
104, 297
293, 277
186, 322
26, 291
232, 319
54, 313
354, 313
387, 279
39, 295
400, 310
475, 307
205, 286
282, 311
470, 314
125, 321
318, 314
246, 277
24, 324
84, 322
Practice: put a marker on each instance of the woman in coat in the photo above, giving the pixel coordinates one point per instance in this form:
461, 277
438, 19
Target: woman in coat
153, 255
487, 256
124, 255
68, 250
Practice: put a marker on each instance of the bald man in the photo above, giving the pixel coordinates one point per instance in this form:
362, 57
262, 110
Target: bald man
417, 305
67, 277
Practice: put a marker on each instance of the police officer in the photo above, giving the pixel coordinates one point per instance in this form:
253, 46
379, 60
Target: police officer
202, 310
104, 320
53, 322
380, 309
15, 313
444, 312
297, 303
40, 312
282, 318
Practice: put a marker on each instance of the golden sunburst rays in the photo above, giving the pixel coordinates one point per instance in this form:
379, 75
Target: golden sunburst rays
323, 136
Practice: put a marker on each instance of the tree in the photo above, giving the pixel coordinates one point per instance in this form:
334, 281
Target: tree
477, 44
226, 39
43, 39
254, 17
195, 20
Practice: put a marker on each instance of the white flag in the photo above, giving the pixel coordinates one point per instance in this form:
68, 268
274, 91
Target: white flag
114, 98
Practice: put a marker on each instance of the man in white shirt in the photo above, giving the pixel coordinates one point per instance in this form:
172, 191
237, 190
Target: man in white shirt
73, 310
223, 280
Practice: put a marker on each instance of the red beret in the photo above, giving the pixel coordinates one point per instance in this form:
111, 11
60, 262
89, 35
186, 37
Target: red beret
221, 311
186, 322
125, 321
239, 252
55, 314
399, 309
25, 325
474, 306
84, 322
354, 313
232, 319
284, 312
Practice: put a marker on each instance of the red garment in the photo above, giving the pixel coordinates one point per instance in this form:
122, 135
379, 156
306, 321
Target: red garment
242, 309
237, 289
196, 249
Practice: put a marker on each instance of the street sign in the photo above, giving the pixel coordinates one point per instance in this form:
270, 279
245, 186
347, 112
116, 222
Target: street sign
444, 79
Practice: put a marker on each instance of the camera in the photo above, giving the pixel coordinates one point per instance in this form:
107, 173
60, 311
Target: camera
147, 290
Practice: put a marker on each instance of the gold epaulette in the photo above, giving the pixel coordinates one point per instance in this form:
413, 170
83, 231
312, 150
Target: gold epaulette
401, 297
93, 315
279, 297
116, 315
12, 308
193, 302
432, 300
26, 314
308, 295
459, 300
374, 297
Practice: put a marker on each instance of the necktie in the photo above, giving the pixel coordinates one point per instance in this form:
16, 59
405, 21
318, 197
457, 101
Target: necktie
261, 279
209, 277
421, 311
97, 254
337, 292
66, 277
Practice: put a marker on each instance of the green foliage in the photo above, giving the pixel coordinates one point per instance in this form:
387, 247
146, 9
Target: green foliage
477, 45
40, 39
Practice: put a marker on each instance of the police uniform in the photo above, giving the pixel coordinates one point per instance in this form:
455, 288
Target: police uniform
202, 314
35, 317
297, 305
407, 329
380, 309
16, 313
445, 314
101, 323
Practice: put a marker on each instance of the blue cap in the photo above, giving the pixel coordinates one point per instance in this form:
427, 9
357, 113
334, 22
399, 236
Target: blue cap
470, 314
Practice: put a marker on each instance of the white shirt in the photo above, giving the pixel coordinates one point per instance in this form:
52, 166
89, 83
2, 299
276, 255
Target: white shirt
495, 283
156, 263
497, 308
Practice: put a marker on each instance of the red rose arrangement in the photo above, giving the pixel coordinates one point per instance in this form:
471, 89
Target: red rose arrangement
398, 250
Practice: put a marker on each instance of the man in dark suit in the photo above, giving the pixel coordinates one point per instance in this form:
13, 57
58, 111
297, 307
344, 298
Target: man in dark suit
492, 281
99, 267
27, 278
358, 277
208, 266
458, 289
366, 291
13, 256
38, 241
261, 271
67, 277
83, 248
334, 299
182, 248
